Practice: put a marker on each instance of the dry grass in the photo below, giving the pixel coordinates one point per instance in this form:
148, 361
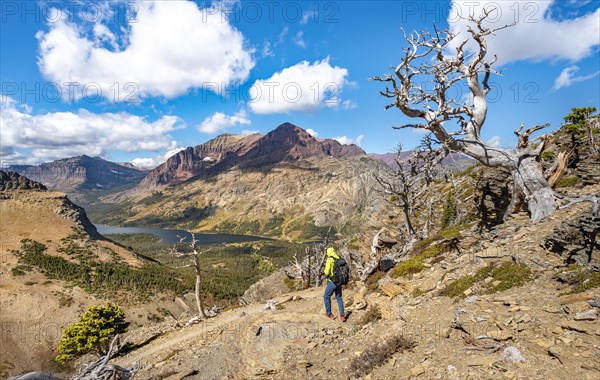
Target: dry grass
371, 315
378, 354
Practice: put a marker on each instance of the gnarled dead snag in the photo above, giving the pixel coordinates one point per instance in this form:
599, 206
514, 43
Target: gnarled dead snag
101, 370
559, 168
195, 256
427, 61
310, 267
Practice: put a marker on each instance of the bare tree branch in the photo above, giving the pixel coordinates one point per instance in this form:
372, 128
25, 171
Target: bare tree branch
420, 87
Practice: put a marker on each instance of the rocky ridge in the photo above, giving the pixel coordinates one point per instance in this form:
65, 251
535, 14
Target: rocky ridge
15, 181
287, 142
78, 175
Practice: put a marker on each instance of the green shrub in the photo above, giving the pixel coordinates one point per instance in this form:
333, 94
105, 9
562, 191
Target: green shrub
470, 172
508, 274
457, 287
20, 270
590, 280
410, 266
353, 244
547, 155
453, 232
582, 279
449, 214
418, 292
568, 181
373, 281
422, 250
92, 332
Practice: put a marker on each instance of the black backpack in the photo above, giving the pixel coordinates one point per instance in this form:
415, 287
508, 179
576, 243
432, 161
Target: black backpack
341, 272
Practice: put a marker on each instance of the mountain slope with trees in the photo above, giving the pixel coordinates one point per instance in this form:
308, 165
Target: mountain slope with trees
286, 183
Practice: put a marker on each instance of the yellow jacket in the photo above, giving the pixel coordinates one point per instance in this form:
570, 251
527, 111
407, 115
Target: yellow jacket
331, 256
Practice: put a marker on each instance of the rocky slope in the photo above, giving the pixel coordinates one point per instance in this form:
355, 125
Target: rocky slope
477, 299
285, 183
34, 307
15, 181
494, 328
286, 143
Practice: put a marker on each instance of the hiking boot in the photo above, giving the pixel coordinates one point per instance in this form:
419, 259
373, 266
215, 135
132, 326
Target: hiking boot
342, 318
330, 316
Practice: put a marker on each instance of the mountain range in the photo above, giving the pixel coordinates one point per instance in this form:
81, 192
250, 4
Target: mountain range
284, 183
287, 143
82, 177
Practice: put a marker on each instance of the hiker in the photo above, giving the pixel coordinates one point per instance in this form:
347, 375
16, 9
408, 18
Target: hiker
337, 274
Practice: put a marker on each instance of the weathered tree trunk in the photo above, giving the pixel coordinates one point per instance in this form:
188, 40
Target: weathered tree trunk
308, 275
407, 223
531, 188
558, 170
366, 269
199, 301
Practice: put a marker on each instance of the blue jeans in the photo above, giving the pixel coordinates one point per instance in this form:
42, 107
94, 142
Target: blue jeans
331, 287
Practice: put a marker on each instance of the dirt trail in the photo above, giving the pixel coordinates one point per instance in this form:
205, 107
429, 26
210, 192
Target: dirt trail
533, 330
236, 331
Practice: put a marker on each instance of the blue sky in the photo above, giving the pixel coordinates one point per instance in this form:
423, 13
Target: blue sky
199, 69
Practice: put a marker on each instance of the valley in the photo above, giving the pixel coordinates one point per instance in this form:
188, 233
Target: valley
344, 190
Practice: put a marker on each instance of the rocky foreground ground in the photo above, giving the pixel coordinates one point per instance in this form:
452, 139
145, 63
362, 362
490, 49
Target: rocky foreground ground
543, 329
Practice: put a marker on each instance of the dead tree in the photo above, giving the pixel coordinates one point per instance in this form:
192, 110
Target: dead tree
400, 191
102, 370
405, 187
98, 370
365, 269
194, 255
559, 168
427, 60
309, 268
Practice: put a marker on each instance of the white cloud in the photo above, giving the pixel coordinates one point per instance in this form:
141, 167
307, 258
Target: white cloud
348, 104
358, 140
57, 135
536, 36
494, 142
171, 48
266, 50
303, 87
247, 132
312, 132
282, 35
567, 77
310, 15
152, 162
579, 3
299, 40
219, 121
